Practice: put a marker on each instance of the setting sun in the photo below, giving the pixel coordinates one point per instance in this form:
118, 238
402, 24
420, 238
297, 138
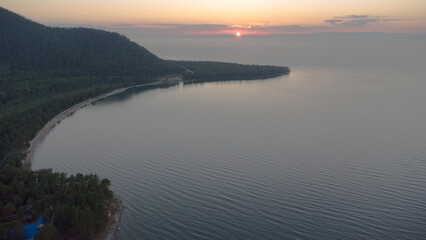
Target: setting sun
204, 119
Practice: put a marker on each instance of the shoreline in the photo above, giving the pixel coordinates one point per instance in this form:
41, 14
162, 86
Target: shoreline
41, 134
169, 79
112, 230
114, 220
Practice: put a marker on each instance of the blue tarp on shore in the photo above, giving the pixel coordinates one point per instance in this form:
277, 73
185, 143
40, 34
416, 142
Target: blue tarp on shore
31, 229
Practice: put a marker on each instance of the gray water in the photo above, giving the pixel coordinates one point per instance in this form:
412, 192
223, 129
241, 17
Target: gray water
335, 150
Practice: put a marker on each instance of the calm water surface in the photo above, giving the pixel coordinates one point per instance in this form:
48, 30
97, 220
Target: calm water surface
335, 150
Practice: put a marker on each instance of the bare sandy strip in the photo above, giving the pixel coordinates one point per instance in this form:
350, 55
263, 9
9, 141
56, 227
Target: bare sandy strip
27, 162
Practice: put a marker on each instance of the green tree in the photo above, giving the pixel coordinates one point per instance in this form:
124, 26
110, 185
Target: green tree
47, 232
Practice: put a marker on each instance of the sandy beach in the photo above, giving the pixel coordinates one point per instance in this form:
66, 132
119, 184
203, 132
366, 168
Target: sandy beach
27, 162
113, 228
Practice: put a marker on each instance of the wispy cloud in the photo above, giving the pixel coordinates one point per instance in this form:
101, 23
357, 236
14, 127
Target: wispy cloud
355, 17
333, 21
131, 25
353, 20
216, 29
345, 23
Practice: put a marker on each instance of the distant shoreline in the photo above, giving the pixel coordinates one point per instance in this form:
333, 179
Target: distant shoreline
215, 79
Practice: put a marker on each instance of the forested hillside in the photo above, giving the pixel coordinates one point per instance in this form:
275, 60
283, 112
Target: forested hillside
43, 51
45, 70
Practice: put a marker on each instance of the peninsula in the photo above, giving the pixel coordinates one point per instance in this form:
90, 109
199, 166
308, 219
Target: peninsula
46, 73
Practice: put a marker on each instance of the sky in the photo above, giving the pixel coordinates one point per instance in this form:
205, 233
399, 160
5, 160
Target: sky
215, 17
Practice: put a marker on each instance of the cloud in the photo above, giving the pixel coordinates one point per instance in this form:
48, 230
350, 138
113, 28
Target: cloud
124, 25
241, 26
333, 21
353, 20
360, 22
167, 29
347, 23
355, 16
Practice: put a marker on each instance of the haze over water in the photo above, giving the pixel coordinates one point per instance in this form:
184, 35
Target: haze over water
335, 150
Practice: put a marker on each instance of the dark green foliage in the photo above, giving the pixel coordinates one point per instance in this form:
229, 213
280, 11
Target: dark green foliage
12, 230
216, 71
27, 105
77, 204
44, 71
48, 232
27, 46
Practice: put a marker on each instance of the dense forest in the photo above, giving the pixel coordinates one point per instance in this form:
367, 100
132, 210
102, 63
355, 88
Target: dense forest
45, 52
217, 71
76, 206
45, 70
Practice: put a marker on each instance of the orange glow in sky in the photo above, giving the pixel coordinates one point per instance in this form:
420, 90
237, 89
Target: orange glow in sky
266, 16
238, 34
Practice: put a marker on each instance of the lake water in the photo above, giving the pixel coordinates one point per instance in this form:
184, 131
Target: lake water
335, 150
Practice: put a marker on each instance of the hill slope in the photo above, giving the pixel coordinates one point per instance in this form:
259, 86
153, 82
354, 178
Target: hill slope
45, 70
47, 51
